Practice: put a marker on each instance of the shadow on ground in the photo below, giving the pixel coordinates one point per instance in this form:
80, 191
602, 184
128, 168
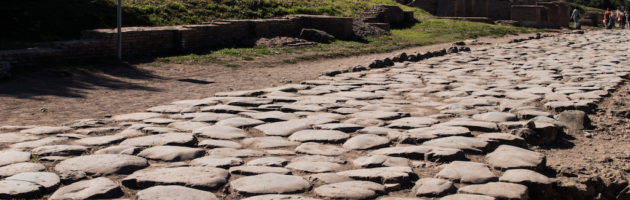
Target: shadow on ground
71, 80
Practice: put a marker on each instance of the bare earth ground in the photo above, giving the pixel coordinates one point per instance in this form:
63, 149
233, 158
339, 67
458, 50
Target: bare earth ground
47, 98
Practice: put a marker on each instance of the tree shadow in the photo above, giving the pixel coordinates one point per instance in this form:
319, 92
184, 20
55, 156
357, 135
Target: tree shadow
71, 80
28, 22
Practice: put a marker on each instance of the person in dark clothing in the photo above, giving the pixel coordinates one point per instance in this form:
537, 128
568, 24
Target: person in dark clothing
607, 20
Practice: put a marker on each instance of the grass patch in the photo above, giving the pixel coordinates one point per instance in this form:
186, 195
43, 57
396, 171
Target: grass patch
425, 32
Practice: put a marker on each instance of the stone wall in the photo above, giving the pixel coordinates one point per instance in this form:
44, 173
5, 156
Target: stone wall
557, 13
493, 9
528, 14
543, 14
151, 41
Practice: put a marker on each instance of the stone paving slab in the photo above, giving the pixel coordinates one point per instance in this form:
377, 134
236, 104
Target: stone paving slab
451, 126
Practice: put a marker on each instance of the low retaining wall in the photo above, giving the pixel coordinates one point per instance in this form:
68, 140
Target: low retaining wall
150, 41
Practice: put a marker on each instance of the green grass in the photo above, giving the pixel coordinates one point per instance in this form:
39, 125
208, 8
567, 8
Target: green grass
425, 32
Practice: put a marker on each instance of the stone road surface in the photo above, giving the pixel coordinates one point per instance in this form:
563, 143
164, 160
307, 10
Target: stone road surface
458, 126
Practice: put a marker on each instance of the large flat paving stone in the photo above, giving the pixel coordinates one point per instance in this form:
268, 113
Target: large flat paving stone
16, 168
350, 190
412, 122
467, 172
196, 177
173, 192
510, 157
13, 138
119, 149
268, 142
268, 161
525, 177
240, 122
221, 132
433, 187
495, 117
422, 152
17, 189
13, 156
326, 136
216, 161
420, 135
380, 161
365, 141
219, 144
239, 153
468, 144
381, 174
180, 139
171, 153
101, 164
285, 128
255, 170
320, 149
98, 188
100, 140
46, 180
269, 184
498, 190
473, 125
60, 150
313, 167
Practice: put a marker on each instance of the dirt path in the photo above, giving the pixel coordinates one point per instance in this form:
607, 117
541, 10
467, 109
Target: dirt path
49, 97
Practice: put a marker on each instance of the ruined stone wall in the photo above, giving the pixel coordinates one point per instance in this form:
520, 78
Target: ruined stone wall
557, 13
527, 14
493, 9
151, 41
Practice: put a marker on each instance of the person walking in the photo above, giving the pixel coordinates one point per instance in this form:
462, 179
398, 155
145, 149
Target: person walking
575, 15
607, 19
620, 17
622, 20
627, 15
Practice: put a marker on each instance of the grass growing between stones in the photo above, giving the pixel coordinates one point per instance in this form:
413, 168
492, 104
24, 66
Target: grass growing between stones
427, 31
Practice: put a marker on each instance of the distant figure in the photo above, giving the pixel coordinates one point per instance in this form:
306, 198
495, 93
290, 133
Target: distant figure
607, 21
622, 20
576, 17
620, 17
627, 15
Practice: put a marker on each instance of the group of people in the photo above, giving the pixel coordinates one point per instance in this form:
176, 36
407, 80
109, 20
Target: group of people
619, 16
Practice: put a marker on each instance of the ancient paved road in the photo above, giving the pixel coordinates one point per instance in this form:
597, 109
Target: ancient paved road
456, 126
